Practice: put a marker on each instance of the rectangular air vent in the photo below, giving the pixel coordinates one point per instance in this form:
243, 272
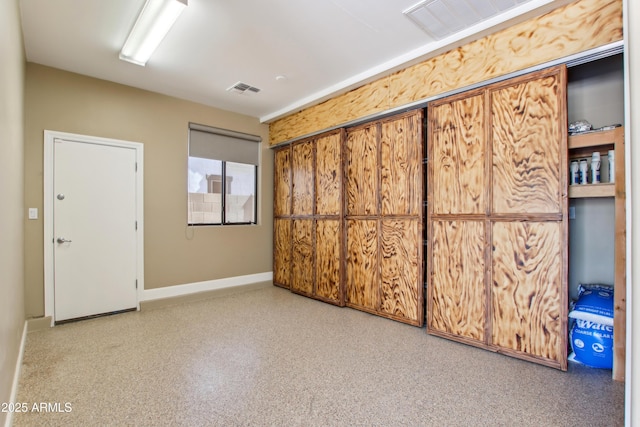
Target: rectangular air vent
241, 88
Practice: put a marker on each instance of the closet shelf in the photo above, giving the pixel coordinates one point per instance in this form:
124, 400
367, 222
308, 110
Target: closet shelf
577, 191
595, 139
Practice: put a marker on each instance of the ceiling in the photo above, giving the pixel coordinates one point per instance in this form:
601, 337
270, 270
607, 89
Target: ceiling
297, 52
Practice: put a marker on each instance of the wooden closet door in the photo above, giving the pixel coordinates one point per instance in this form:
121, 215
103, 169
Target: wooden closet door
282, 218
308, 218
361, 193
497, 216
529, 295
457, 218
383, 188
302, 246
328, 218
401, 193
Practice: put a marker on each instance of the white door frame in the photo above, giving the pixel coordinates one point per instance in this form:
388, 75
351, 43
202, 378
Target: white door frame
48, 169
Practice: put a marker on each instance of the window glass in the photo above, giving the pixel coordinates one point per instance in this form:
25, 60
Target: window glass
205, 195
240, 193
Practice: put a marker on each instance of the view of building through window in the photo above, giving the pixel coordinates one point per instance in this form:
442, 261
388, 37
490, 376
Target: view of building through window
208, 196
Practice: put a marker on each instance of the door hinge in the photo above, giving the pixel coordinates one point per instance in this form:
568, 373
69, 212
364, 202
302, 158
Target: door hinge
136, 225
136, 166
136, 283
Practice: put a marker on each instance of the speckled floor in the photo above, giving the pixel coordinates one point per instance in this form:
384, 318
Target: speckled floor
271, 358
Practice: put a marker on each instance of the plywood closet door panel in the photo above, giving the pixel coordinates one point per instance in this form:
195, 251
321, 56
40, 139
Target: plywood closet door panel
327, 268
457, 156
361, 180
282, 226
329, 174
302, 178
457, 293
282, 180
401, 165
497, 247
527, 120
526, 292
363, 276
383, 211
329, 284
529, 213
282, 252
400, 259
302, 256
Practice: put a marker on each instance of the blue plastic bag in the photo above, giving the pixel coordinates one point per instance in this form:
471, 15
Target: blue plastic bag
592, 344
595, 304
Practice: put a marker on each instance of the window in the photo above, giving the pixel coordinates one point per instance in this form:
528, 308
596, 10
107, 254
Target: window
222, 176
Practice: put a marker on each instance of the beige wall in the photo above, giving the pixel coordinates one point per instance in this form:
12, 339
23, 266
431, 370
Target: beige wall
62, 101
11, 195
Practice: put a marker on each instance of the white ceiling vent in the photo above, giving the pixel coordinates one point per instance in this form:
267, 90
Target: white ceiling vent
441, 18
241, 88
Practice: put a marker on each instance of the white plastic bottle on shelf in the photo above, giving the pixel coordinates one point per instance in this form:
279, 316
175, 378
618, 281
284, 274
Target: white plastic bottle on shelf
595, 168
612, 166
575, 173
584, 171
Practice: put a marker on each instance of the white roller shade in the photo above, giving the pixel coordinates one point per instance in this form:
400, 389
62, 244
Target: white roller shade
220, 144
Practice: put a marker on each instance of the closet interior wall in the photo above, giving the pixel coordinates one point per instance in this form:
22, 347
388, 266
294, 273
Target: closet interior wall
597, 230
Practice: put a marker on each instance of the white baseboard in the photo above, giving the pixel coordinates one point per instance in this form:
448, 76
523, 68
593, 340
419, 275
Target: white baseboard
16, 375
209, 285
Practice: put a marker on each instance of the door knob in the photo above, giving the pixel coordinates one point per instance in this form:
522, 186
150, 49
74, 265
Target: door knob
62, 240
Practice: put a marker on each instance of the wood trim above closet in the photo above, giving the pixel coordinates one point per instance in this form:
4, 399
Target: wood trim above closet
568, 30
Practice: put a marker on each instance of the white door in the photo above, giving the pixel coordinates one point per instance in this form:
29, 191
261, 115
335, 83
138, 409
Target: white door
94, 229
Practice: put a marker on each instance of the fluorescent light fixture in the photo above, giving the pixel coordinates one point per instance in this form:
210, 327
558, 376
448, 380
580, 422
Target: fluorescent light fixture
154, 22
442, 18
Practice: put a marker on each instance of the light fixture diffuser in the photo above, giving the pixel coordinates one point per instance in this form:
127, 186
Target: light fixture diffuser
442, 18
154, 22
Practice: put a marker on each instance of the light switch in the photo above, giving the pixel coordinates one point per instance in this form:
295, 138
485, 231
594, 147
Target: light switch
33, 213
